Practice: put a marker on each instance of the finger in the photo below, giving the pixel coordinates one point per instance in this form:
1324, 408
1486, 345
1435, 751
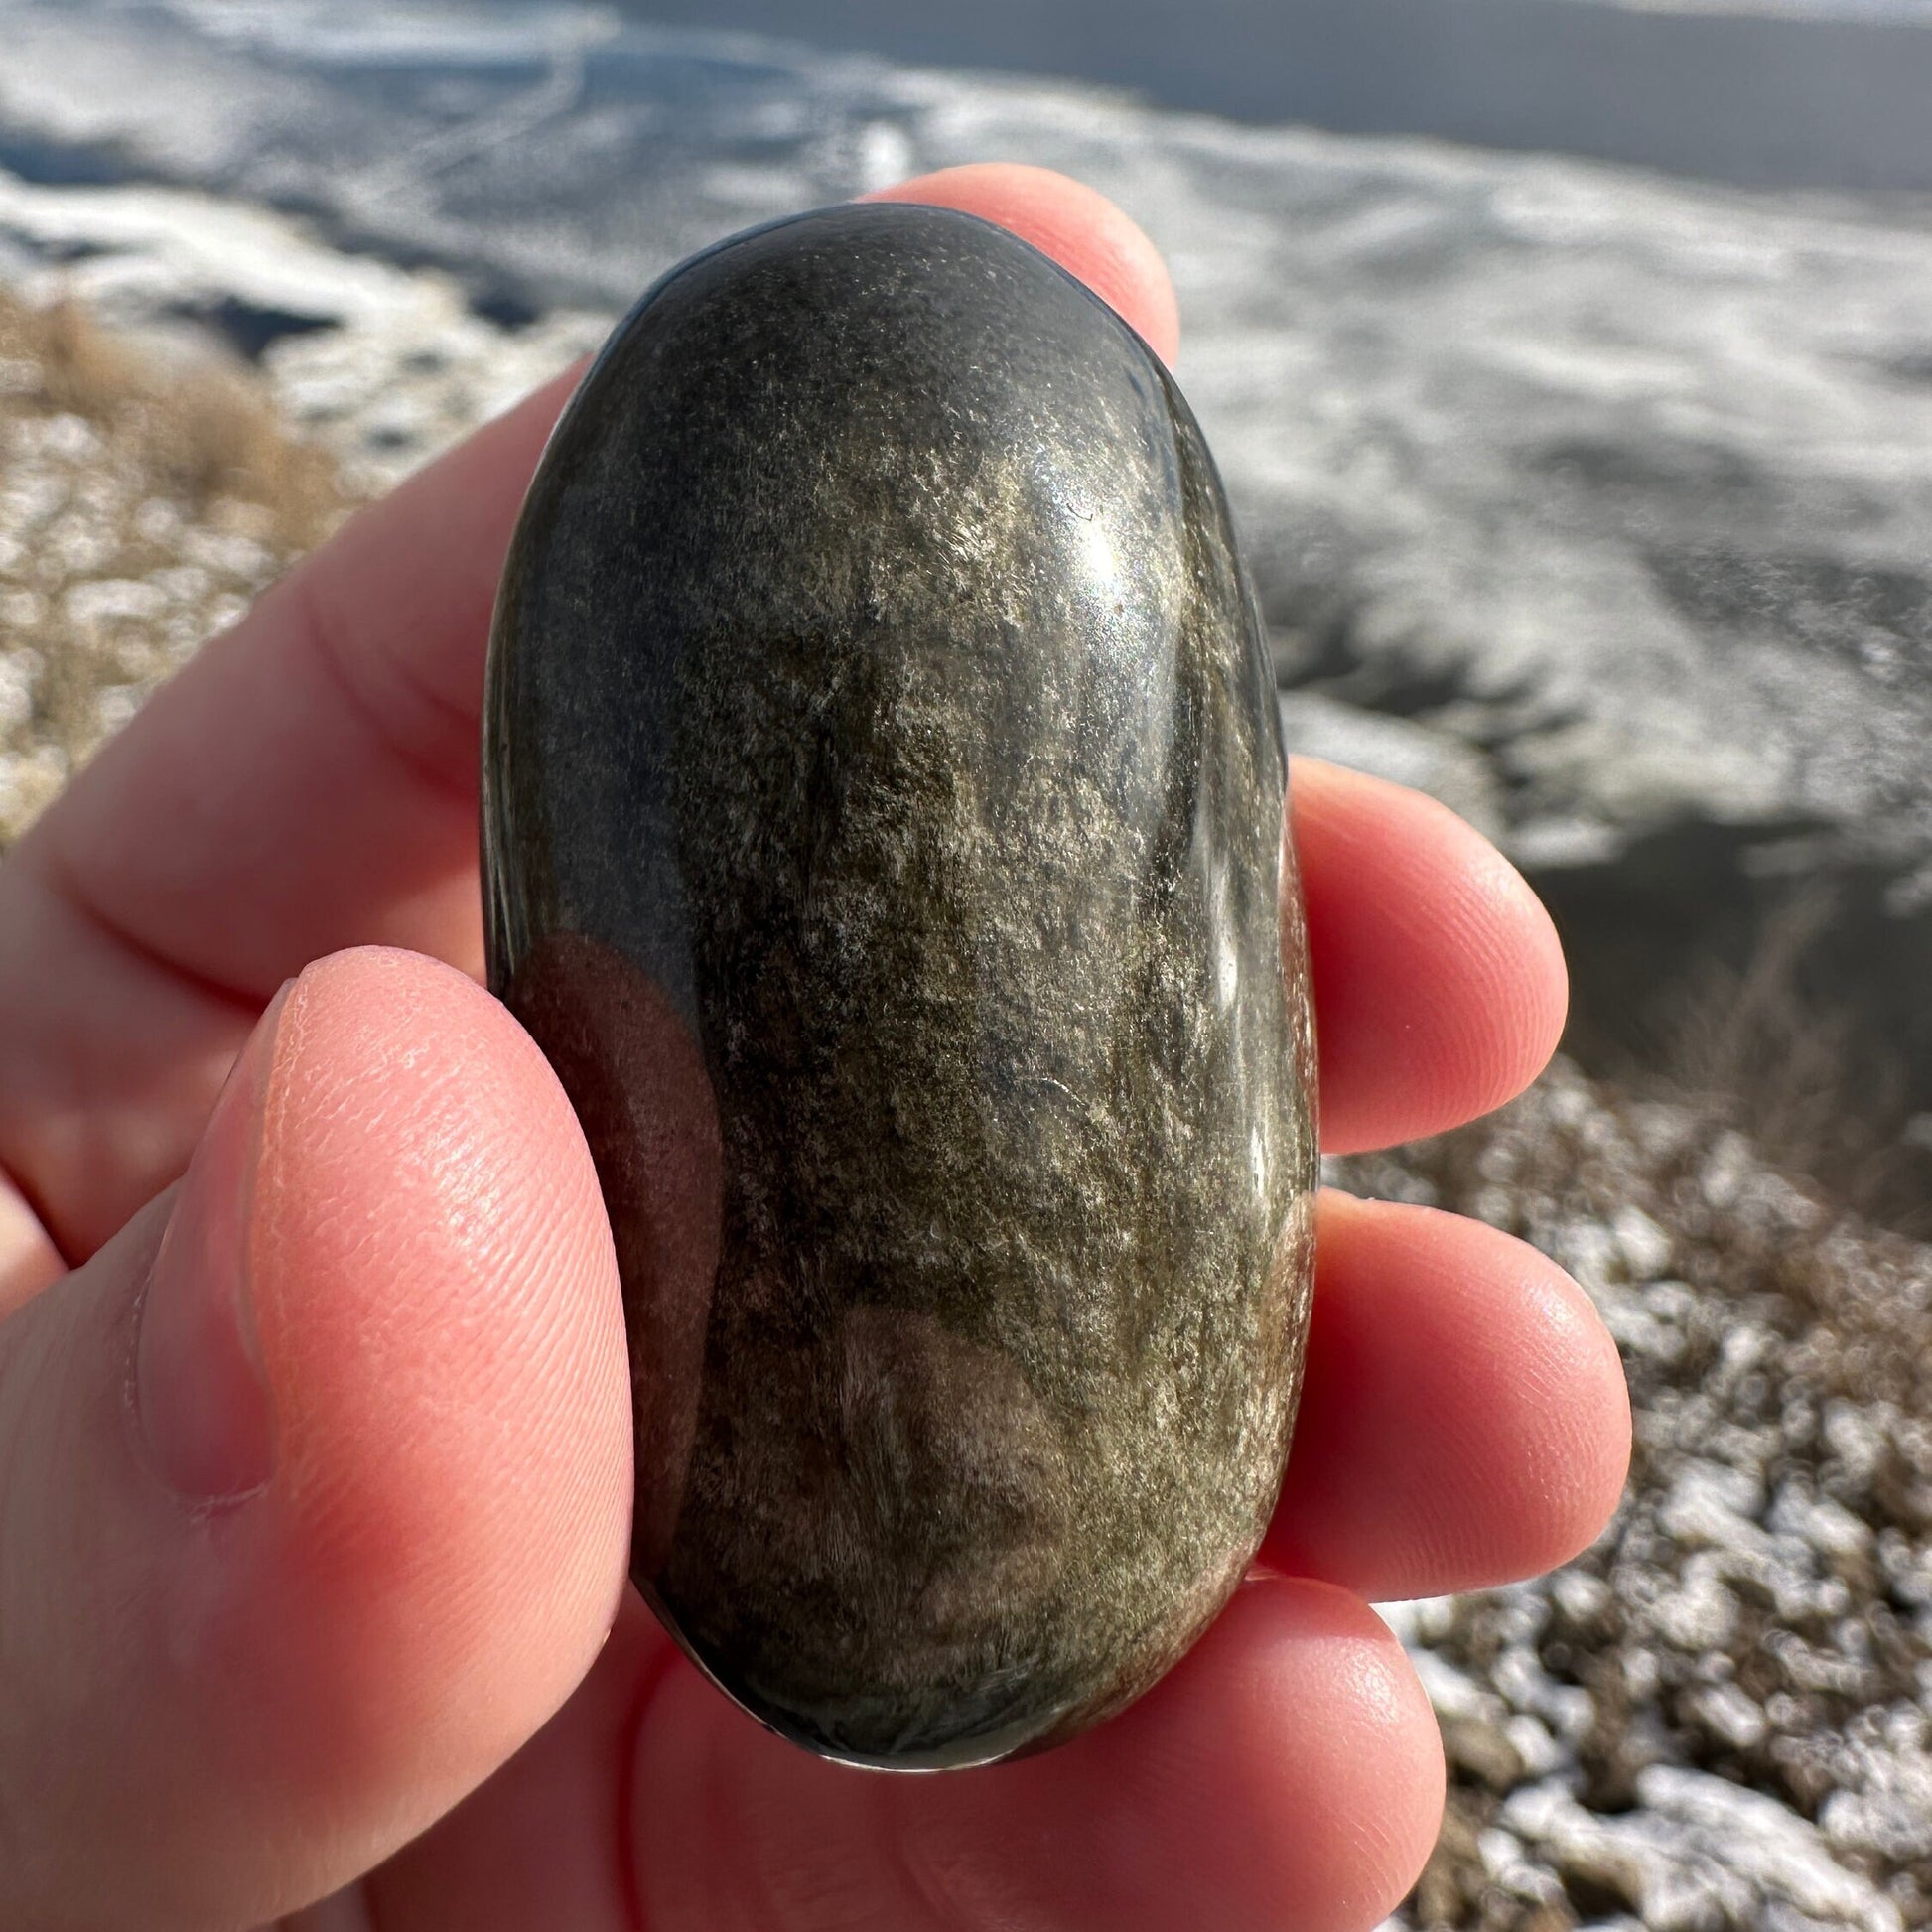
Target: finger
314, 772
544, 1843
316, 1502
1285, 1773
1080, 228
308, 783
1439, 987
1464, 1418
28, 1259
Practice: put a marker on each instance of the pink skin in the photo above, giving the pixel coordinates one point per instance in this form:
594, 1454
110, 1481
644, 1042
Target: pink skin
405, 1660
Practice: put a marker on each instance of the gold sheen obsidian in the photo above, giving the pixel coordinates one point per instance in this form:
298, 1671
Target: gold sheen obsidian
883, 812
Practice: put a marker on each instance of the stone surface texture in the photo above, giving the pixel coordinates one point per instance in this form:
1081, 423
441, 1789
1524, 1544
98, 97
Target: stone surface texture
884, 804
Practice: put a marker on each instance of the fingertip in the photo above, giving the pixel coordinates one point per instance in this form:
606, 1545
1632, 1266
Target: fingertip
436, 1301
1086, 233
1465, 1420
1309, 1746
1441, 989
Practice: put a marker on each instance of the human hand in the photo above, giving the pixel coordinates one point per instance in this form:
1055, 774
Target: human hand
314, 1467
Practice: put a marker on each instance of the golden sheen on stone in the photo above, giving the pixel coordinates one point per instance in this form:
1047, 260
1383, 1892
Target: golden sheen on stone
882, 811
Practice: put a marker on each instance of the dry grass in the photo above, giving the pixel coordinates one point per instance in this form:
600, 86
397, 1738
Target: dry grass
144, 502
200, 433
1750, 1049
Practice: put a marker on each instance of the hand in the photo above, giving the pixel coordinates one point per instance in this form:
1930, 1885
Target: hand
315, 1465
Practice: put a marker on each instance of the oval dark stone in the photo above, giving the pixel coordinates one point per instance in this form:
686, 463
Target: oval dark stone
883, 820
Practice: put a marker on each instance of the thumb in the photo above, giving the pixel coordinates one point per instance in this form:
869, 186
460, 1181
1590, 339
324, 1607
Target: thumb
314, 1482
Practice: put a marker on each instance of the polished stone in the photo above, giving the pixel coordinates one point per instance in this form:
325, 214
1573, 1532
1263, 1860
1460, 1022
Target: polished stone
883, 820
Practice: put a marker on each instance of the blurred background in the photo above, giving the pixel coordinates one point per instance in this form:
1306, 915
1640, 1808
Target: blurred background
1569, 364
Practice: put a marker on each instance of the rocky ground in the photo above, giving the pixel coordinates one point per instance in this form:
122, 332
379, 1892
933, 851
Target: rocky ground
1719, 1717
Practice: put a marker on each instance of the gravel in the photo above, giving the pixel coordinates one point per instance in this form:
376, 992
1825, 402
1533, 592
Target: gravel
1717, 1716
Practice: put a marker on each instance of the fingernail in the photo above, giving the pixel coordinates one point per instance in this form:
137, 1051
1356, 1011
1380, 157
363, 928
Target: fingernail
198, 1382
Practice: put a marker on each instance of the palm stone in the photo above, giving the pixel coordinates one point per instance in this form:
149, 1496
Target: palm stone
882, 811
